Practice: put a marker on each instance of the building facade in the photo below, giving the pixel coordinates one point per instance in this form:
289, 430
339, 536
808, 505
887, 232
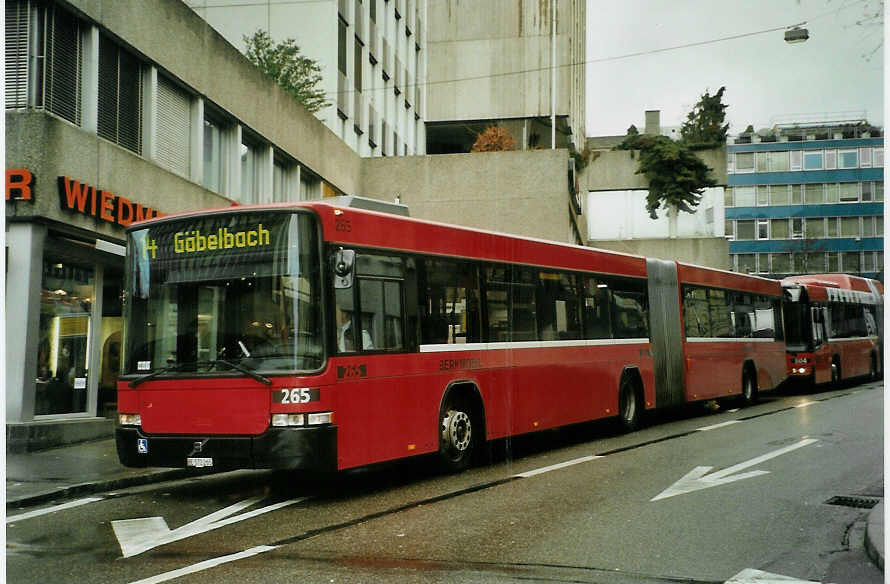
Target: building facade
807, 198
512, 63
372, 57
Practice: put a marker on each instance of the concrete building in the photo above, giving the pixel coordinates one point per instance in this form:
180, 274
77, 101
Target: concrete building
120, 111
504, 62
372, 57
807, 197
615, 208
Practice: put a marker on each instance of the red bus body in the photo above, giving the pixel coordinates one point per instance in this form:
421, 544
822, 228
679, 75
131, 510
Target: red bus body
833, 347
388, 405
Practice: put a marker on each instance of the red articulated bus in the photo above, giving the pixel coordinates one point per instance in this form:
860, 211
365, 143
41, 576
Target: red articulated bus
326, 337
834, 327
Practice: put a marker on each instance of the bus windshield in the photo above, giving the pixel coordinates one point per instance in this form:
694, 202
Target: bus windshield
225, 292
798, 331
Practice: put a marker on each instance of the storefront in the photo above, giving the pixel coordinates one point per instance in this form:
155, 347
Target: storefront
64, 304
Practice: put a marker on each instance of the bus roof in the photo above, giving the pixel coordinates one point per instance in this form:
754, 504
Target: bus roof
842, 281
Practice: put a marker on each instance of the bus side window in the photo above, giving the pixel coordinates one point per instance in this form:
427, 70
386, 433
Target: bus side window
695, 312
630, 314
718, 303
597, 311
449, 304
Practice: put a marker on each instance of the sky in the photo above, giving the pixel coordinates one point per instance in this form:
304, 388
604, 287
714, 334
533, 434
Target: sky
835, 74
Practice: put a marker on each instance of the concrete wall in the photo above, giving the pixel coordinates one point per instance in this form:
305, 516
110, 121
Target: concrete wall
614, 170
179, 41
712, 252
523, 193
484, 45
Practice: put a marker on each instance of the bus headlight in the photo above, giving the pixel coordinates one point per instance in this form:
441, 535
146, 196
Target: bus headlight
283, 420
130, 419
320, 418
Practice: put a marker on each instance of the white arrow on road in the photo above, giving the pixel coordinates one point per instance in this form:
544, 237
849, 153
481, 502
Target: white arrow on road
750, 576
139, 535
698, 478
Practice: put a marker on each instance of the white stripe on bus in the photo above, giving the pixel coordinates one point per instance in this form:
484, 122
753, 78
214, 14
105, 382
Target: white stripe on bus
443, 348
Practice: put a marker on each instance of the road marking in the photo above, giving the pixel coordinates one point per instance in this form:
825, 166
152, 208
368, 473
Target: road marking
542, 470
749, 576
804, 404
136, 536
53, 509
698, 478
722, 425
206, 565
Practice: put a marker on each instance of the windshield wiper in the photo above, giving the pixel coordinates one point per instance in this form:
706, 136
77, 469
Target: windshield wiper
242, 369
155, 373
177, 366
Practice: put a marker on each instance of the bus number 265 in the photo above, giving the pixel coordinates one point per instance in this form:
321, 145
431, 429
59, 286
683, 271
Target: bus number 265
297, 395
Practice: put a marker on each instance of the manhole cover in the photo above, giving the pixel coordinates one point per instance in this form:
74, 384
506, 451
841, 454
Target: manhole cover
854, 501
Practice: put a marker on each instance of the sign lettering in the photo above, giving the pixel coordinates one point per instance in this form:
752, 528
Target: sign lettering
19, 184
102, 205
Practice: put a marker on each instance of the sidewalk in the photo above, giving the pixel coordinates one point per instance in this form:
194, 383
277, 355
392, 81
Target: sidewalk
88, 467
93, 467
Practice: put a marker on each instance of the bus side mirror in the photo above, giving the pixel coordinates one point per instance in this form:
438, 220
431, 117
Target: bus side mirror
343, 262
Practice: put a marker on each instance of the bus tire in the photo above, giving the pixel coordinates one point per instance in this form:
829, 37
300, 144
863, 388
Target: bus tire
835, 372
873, 367
749, 387
630, 404
457, 433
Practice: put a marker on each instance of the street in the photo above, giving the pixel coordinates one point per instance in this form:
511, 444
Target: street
696, 496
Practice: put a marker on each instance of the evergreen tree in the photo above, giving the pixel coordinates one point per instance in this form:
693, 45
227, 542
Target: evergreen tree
704, 124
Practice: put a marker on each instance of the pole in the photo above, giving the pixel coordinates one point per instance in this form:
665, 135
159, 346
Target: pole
553, 74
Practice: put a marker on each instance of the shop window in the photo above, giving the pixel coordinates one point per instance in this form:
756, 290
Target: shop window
110, 342
66, 305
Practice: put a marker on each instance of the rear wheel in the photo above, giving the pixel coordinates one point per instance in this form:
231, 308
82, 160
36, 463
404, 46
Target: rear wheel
749, 389
835, 372
630, 405
456, 435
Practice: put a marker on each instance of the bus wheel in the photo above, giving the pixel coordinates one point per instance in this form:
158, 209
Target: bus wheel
455, 436
629, 405
873, 368
835, 372
749, 389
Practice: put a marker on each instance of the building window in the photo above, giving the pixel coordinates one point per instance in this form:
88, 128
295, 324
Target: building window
815, 227
174, 127
812, 160
778, 161
831, 193
867, 192
865, 157
728, 197
250, 167
744, 196
795, 159
762, 195
850, 227
813, 194
849, 192
796, 228
868, 227
850, 262
282, 169
744, 162
848, 158
879, 190
832, 226
779, 228
830, 159
62, 58
796, 194
763, 229
120, 96
878, 157
779, 195
18, 37
744, 230
214, 155
833, 265
781, 263
747, 263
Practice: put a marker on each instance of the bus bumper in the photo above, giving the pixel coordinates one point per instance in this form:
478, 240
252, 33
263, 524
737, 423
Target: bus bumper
279, 448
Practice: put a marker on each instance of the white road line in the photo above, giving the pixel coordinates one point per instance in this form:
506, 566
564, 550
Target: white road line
542, 470
721, 425
53, 509
206, 565
804, 404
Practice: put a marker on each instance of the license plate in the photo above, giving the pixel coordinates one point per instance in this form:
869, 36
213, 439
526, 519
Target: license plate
199, 462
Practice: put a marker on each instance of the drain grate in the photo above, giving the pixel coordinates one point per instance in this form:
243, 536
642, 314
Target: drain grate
854, 501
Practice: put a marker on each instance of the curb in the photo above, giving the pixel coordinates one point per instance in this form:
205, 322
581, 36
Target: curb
98, 486
874, 535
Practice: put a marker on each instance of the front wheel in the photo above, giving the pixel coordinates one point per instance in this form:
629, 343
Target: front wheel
456, 439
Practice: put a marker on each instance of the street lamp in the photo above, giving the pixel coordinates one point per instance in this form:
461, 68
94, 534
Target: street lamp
796, 35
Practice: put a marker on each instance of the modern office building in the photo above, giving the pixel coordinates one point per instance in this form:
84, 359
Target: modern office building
514, 63
372, 58
807, 198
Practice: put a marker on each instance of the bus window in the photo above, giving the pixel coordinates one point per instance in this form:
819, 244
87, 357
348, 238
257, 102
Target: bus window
449, 307
496, 303
630, 318
695, 312
742, 315
597, 309
764, 318
718, 304
558, 308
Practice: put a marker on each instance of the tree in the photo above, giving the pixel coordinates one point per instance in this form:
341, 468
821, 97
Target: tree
704, 124
296, 74
494, 139
677, 177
